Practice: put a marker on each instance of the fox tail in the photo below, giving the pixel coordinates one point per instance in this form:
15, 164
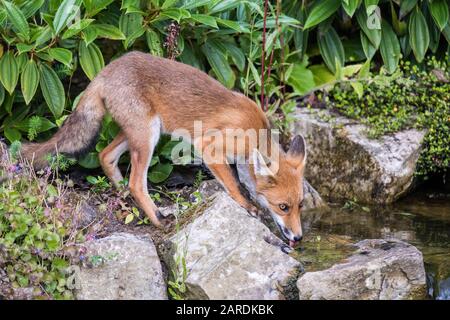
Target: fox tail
76, 136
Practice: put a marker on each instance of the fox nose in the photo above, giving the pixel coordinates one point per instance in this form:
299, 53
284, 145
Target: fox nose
298, 238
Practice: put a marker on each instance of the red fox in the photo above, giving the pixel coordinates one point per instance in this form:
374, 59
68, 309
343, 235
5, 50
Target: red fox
147, 96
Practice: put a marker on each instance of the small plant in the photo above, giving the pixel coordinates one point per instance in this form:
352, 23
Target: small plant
99, 183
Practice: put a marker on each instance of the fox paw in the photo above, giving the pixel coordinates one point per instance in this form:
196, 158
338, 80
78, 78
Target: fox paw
165, 222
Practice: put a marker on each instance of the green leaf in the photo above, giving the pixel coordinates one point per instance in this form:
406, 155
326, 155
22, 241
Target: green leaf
2, 94
232, 25
91, 59
368, 48
440, 12
205, 19
31, 7
154, 43
9, 72
12, 134
223, 5
176, 14
22, 47
374, 35
419, 36
219, 64
389, 47
29, 80
406, 6
62, 55
66, 12
76, 28
236, 55
95, 6
331, 48
89, 35
160, 172
301, 79
369, 3
192, 4
108, 31
90, 161
17, 19
129, 218
321, 10
350, 6
359, 89
322, 75
52, 90
168, 3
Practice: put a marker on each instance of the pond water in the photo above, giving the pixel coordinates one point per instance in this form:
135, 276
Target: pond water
420, 219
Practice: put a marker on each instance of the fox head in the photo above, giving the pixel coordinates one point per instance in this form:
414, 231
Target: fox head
281, 191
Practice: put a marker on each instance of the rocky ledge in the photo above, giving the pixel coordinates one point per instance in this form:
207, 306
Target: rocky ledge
343, 163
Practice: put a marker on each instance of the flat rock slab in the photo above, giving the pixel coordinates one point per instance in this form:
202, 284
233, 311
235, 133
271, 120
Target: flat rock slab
125, 267
343, 163
228, 255
379, 270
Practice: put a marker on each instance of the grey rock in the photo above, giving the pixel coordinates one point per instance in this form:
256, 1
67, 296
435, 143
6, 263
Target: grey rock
379, 270
127, 268
343, 163
230, 255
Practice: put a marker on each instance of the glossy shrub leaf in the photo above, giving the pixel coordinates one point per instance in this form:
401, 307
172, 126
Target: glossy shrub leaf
108, 31
95, 6
331, 48
419, 36
205, 19
91, 59
350, 6
440, 12
374, 35
236, 55
368, 48
31, 7
389, 47
219, 63
52, 90
76, 28
406, 6
17, 19
2, 94
61, 55
321, 10
301, 79
12, 134
89, 161
9, 71
29, 80
66, 12
160, 172
369, 3
154, 43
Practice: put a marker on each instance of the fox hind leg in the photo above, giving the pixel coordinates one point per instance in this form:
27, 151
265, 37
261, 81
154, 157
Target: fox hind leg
109, 158
142, 144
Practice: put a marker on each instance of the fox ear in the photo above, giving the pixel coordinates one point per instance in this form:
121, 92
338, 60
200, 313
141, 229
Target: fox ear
260, 166
297, 151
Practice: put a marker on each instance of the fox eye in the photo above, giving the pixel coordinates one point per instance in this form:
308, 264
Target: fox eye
300, 205
284, 207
